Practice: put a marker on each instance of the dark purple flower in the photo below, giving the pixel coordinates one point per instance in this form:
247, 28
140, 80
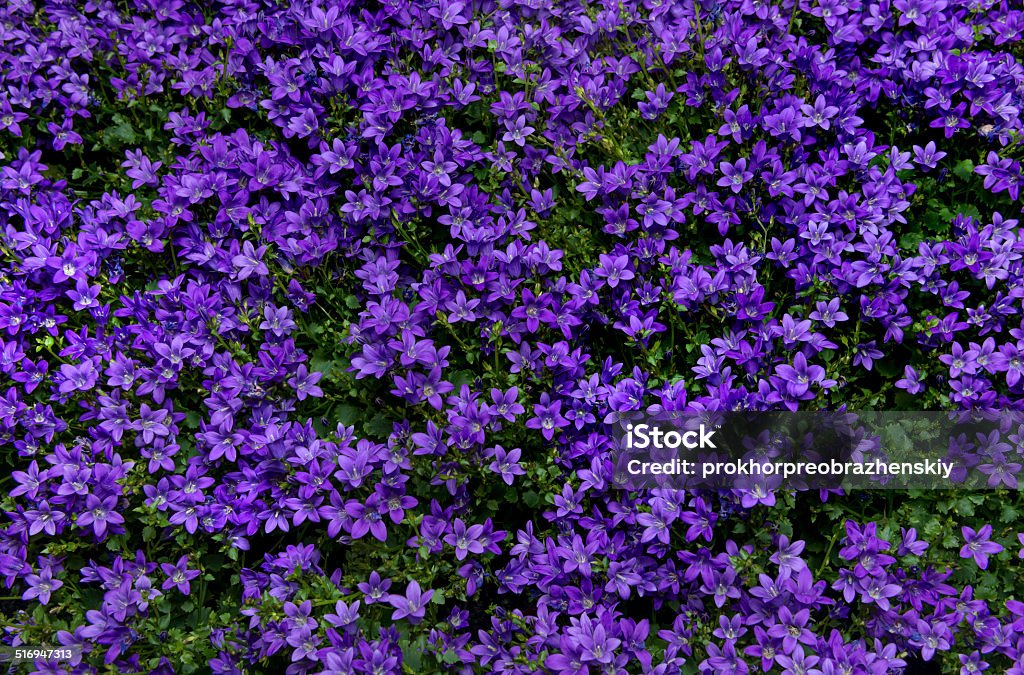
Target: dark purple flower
977, 545
412, 605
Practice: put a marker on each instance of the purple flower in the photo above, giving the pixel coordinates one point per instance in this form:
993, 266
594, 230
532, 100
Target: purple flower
977, 545
250, 261
375, 589
464, 540
614, 269
77, 378
829, 313
911, 381
44, 518
517, 131
178, 575
41, 585
910, 544
412, 605
506, 464
931, 637
927, 157
100, 514
787, 557
547, 417
305, 383
734, 175
820, 113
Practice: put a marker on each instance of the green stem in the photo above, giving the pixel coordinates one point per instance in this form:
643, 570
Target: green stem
824, 562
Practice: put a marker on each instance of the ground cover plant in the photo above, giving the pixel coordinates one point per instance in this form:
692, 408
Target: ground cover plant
314, 318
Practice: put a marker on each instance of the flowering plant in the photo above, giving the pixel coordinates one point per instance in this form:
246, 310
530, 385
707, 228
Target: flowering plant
315, 318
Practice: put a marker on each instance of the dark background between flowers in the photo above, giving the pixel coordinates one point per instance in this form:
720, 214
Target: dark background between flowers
289, 288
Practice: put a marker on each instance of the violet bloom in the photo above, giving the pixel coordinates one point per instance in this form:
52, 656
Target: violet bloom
614, 269
464, 540
29, 481
820, 113
1000, 471
304, 383
928, 156
505, 405
79, 377
656, 103
250, 261
722, 586
473, 573
345, 615
910, 382
32, 374
798, 377
951, 121
277, 320
151, 423
506, 464
792, 628
517, 131
960, 361
9, 118
829, 313
100, 513
787, 557
910, 544
375, 589
547, 417
366, 518
84, 295
866, 354
797, 663
878, 589
734, 175
972, 663
44, 518
178, 575
41, 585
977, 545
461, 308
701, 521
412, 605
931, 637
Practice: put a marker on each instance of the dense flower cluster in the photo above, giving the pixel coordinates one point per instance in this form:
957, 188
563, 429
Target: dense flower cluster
339, 301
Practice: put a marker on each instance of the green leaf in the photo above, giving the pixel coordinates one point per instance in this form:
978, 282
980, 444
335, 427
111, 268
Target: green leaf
411, 658
378, 425
964, 169
346, 414
889, 368
120, 133
964, 507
